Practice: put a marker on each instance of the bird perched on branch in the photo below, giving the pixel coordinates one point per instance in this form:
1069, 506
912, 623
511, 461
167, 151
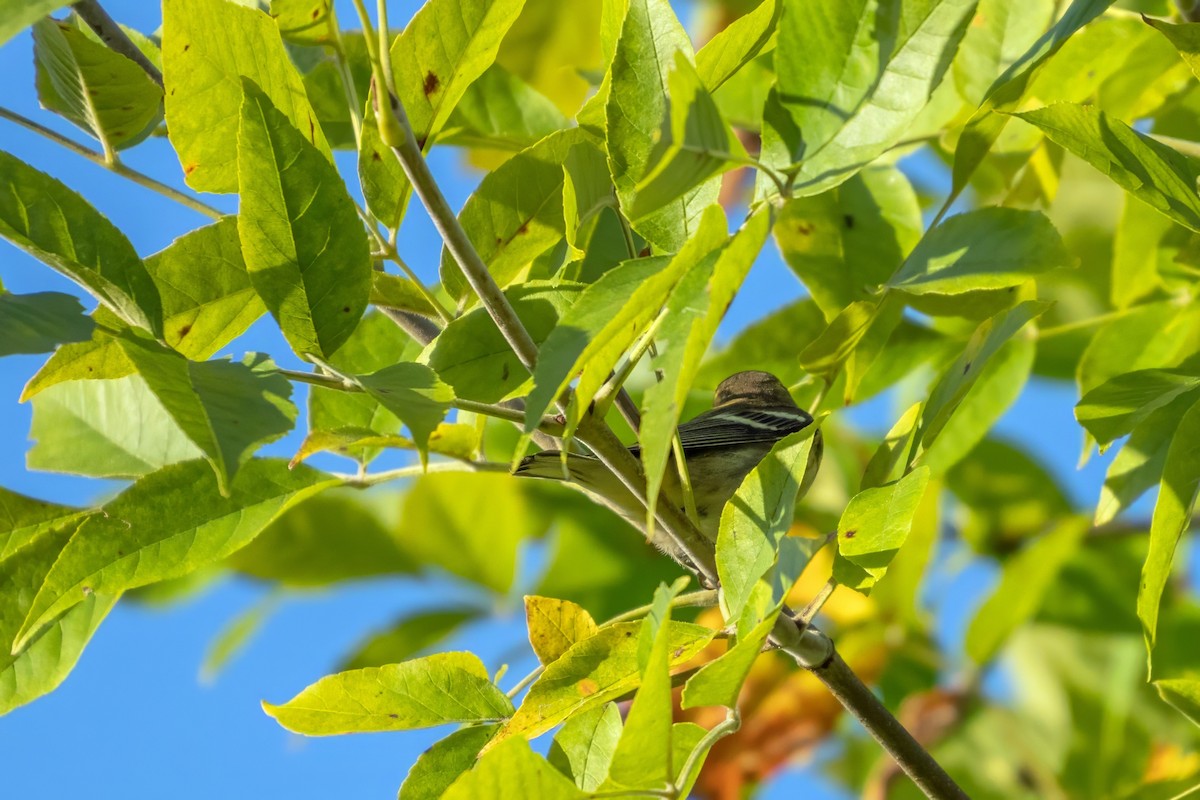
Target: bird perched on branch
751, 412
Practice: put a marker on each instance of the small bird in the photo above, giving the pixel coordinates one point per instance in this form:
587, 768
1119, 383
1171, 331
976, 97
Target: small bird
751, 411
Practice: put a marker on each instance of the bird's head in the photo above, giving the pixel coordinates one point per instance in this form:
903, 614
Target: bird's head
761, 388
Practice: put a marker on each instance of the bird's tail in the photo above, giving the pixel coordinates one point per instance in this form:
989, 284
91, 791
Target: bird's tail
548, 464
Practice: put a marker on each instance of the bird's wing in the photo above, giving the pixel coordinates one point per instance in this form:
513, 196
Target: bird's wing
739, 423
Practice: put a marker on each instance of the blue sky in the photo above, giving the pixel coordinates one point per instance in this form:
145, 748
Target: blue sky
134, 717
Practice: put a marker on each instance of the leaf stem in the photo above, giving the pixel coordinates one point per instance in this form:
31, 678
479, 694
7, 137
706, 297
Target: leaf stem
92, 13
114, 166
528, 679
732, 721
814, 606
1084, 324
416, 470
703, 597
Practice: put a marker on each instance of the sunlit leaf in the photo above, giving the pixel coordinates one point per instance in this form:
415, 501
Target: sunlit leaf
98, 89
1183, 694
516, 213
306, 252
645, 55
555, 625
512, 771
424, 692
583, 748
171, 522
109, 428
1172, 515
853, 76
77, 241
210, 47
873, 528
737, 44
760, 514
1115, 408
696, 144
24, 519
719, 682
849, 240
16, 15
45, 657
1154, 173
692, 315
592, 673
440, 765
990, 248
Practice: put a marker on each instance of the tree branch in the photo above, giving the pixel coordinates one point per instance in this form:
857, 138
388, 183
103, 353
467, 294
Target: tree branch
112, 35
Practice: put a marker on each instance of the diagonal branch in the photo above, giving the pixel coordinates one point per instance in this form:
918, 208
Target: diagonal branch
112, 35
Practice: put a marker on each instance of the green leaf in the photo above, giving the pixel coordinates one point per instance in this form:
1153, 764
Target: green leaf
385, 187
210, 48
99, 358
737, 44
453, 439
692, 315
1185, 38
207, 297
24, 519
480, 520
445, 48
440, 765
38, 323
758, 517
113, 428
375, 343
330, 538
306, 251
1172, 515
422, 693
1154, 173
1115, 408
16, 15
989, 248
696, 145
59, 228
995, 390
45, 658
882, 468
961, 376
854, 76
873, 528
1024, 583
828, 352
302, 21
1183, 694
642, 757
516, 214
502, 112
1139, 465
555, 625
409, 636
845, 242
512, 772
638, 101
1152, 336
609, 316
583, 748
592, 673
168, 524
1008, 91
473, 356
1143, 240
395, 291
103, 92
227, 409
413, 393
719, 682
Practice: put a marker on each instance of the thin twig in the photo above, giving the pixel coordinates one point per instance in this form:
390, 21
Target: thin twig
732, 721
814, 606
115, 167
416, 470
112, 35
702, 598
